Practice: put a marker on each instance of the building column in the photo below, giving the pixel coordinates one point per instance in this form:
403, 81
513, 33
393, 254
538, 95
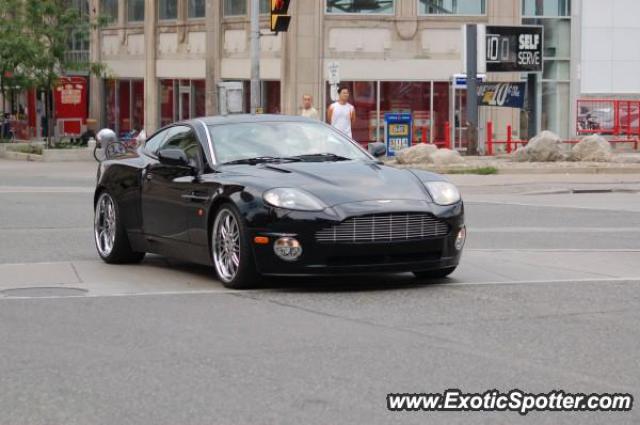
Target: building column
302, 56
212, 55
96, 88
150, 80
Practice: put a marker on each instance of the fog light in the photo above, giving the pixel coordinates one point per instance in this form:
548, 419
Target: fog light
288, 249
461, 238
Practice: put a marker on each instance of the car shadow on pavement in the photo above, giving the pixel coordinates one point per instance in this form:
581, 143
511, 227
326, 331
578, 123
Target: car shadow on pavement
328, 283
354, 283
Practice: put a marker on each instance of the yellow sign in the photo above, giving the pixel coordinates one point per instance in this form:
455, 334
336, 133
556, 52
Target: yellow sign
398, 130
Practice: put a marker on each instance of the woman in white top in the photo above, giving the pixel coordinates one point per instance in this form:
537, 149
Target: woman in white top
342, 114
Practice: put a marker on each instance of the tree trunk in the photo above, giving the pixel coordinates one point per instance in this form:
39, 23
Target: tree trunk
48, 116
53, 116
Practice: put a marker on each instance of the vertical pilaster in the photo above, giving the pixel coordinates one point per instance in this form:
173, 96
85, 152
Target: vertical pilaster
214, 30
96, 89
150, 80
302, 56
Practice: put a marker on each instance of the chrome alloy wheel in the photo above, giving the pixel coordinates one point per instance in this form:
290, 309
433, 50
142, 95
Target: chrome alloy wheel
105, 224
226, 245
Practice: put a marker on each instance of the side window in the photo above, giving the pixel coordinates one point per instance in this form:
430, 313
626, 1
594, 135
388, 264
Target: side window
153, 143
184, 138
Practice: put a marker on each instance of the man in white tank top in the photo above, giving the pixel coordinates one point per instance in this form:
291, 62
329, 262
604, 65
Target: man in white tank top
342, 114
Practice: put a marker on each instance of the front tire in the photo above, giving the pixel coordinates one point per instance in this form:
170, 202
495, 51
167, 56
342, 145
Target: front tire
434, 274
231, 250
110, 235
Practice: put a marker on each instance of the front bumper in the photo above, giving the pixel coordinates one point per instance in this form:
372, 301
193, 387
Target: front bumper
359, 257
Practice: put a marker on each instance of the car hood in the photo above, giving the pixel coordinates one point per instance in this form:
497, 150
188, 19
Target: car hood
335, 183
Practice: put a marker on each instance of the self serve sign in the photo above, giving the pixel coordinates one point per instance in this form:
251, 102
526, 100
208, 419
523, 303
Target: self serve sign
528, 54
514, 49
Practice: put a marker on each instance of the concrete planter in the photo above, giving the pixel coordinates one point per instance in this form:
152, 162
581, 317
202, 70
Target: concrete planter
62, 155
10, 151
19, 156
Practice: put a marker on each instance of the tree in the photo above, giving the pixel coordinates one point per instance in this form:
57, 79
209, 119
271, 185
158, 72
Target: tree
16, 49
50, 26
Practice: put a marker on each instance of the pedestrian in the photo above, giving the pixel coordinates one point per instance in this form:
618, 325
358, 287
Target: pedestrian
308, 111
342, 114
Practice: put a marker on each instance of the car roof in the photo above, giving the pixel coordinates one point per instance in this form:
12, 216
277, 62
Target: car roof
247, 118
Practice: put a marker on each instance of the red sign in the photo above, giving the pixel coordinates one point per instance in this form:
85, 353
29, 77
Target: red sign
71, 103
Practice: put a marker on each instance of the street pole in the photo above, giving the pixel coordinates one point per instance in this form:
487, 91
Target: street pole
472, 89
255, 57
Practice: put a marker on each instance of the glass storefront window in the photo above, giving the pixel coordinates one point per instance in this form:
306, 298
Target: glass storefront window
270, 95
546, 7
109, 10
265, 6
167, 9
124, 105
411, 97
196, 8
167, 102
235, 7
452, 7
440, 111
363, 96
555, 107
557, 61
556, 70
135, 11
199, 96
181, 100
137, 104
358, 6
124, 109
110, 103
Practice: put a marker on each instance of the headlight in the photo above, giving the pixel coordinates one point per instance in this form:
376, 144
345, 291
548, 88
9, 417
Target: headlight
443, 193
293, 199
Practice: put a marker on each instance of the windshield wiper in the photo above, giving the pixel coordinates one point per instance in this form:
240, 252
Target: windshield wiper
261, 160
320, 156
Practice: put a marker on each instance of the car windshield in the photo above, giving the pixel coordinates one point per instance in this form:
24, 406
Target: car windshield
264, 141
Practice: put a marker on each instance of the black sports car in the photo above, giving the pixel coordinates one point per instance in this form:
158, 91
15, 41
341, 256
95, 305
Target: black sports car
274, 195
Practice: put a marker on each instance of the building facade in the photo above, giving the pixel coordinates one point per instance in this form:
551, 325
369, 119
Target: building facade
166, 57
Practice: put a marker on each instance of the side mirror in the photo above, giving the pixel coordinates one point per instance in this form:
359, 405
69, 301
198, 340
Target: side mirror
377, 149
174, 157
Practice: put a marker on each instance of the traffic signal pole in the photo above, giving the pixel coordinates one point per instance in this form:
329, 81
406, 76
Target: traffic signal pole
255, 57
472, 89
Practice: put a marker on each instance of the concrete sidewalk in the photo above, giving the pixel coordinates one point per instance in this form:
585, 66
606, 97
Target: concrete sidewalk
622, 164
157, 275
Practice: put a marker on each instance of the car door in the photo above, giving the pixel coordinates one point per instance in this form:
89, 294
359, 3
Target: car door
165, 188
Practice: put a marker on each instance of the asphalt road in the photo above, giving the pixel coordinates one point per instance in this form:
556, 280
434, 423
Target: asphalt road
547, 298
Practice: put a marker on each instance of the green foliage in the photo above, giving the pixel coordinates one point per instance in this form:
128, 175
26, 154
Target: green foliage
26, 148
17, 48
35, 37
482, 171
52, 25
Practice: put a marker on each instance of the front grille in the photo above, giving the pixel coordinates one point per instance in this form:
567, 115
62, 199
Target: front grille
385, 228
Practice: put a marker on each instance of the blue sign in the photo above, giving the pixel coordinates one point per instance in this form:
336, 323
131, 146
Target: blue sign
460, 80
505, 95
397, 131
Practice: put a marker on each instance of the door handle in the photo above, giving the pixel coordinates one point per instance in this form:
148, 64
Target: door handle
196, 196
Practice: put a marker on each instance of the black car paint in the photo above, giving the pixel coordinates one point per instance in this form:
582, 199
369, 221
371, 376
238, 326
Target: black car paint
171, 212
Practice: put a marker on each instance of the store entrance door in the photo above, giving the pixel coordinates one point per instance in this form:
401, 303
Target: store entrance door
460, 120
184, 101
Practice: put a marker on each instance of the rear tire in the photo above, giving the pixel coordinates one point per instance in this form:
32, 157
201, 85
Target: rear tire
110, 235
435, 274
231, 250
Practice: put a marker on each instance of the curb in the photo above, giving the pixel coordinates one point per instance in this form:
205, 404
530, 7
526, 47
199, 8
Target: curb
579, 170
59, 155
19, 156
